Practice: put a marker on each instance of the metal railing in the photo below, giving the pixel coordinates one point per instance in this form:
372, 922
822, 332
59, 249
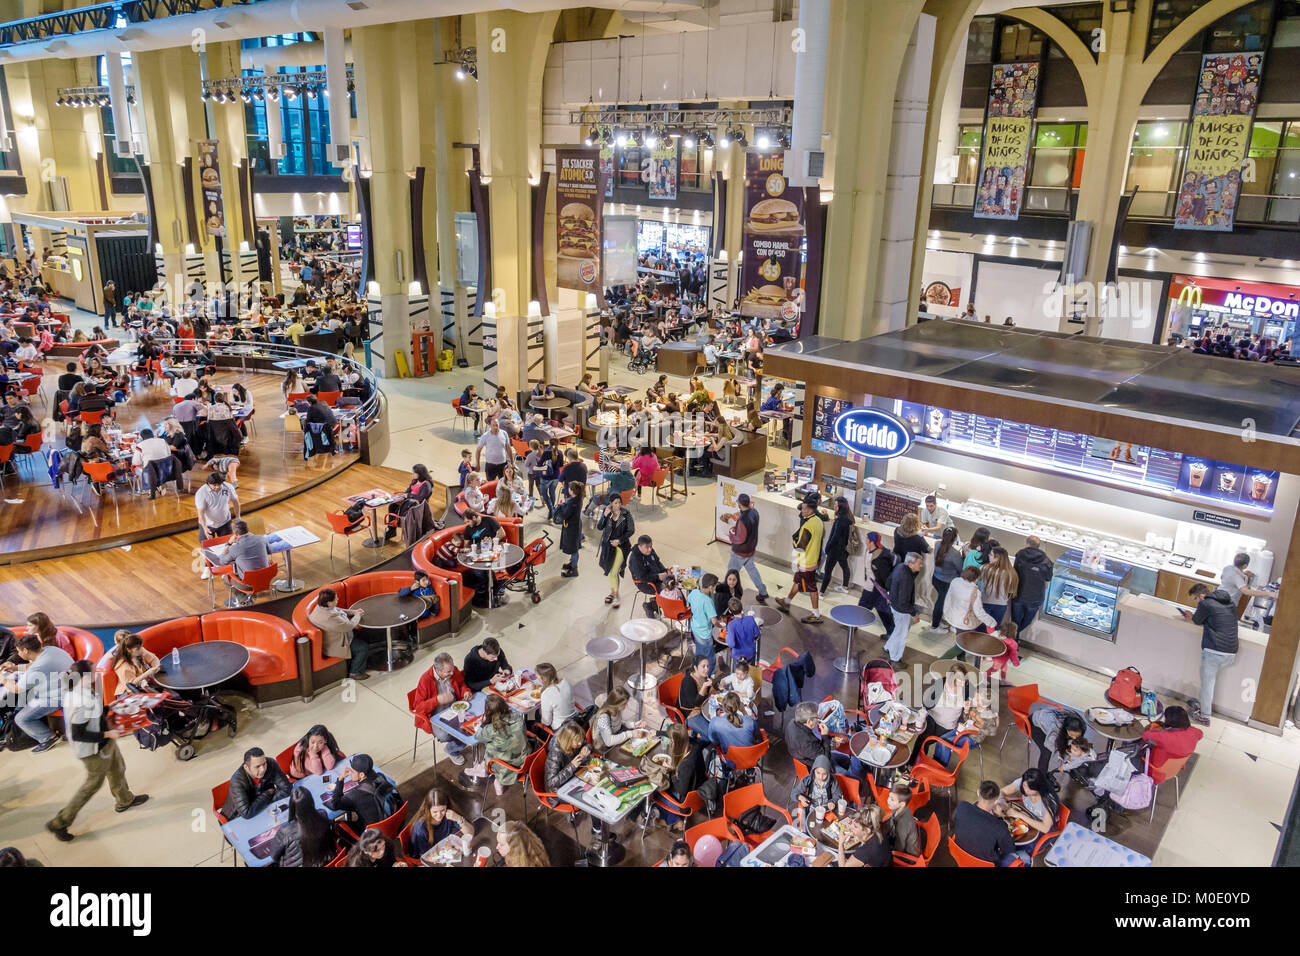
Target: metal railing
104, 16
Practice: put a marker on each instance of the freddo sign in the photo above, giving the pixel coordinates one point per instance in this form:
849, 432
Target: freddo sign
873, 433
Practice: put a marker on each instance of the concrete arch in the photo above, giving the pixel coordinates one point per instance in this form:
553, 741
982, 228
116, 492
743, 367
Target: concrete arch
1061, 34
1201, 18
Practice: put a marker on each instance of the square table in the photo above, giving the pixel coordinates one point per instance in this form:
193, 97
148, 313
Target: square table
373, 500
605, 850
285, 540
455, 726
775, 850
1080, 846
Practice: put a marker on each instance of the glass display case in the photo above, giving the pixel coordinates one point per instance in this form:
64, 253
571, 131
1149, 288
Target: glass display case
1085, 597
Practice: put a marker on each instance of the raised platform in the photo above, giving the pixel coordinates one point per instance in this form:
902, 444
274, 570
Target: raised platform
48, 524
158, 579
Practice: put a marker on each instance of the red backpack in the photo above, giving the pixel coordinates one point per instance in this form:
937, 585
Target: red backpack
1126, 688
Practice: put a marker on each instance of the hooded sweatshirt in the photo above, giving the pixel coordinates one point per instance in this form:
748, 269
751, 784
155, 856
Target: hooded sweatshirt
1217, 616
1034, 570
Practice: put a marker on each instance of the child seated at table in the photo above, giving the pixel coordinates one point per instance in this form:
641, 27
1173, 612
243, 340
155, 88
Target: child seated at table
671, 590
817, 788
739, 681
445, 556
422, 587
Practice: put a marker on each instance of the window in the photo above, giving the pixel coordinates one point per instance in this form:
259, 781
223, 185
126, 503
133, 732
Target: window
1082, 18
1056, 165
1167, 14
304, 120
1287, 31
979, 42
968, 154
1272, 175
1155, 160
1244, 29
1016, 41
696, 171
9, 158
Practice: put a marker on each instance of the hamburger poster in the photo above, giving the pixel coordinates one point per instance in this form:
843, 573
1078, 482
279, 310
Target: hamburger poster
770, 286
214, 216
578, 203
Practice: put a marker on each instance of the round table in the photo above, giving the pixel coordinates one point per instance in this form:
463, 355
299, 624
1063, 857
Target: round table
902, 752
609, 648
711, 704
941, 667
766, 617
1113, 732
852, 616
549, 404
643, 631
511, 554
978, 644
387, 611
375, 541
203, 666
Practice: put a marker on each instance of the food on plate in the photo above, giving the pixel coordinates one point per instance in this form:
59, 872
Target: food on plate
577, 231
210, 177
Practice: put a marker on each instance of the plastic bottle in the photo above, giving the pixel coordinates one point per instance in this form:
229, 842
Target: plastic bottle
176, 658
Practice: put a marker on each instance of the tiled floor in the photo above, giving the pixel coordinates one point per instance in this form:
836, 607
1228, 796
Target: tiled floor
1235, 796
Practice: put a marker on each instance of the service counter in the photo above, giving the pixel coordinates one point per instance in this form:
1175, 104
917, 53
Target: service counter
678, 358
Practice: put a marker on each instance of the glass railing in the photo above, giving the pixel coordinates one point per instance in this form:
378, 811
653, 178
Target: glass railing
1042, 199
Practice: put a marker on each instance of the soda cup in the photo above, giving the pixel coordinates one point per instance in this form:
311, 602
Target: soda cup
481, 859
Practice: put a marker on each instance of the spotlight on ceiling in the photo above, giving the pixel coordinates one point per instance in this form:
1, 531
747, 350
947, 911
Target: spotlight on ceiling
763, 142
706, 140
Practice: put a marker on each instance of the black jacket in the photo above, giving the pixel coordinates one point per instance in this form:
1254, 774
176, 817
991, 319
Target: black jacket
362, 800
902, 590
980, 833
478, 672
286, 850
914, 543
247, 799
804, 745
558, 769
1034, 569
570, 515
615, 537
837, 541
882, 566
1217, 616
645, 567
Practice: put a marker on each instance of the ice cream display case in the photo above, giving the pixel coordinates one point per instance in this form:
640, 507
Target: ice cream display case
1085, 595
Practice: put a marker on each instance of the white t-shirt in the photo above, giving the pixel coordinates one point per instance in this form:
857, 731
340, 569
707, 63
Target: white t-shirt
496, 448
213, 504
1233, 580
151, 449
184, 387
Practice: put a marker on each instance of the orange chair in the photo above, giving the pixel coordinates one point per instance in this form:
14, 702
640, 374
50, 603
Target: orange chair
251, 584
1062, 819
421, 723
521, 771
770, 670
1161, 773
693, 804
329, 398
461, 415
339, 860
930, 771
292, 397
404, 839
520, 446
674, 611
800, 768
719, 827
341, 524
851, 789
219, 794
6, 452
30, 447
390, 826
920, 797
667, 692
101, 473
551, 801
1019, 700
962, 858
931, 837
735, 803
657, 482
93, 418
214, 571
745, 759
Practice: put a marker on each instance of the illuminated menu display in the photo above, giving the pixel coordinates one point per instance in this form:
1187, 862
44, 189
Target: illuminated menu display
1121, 463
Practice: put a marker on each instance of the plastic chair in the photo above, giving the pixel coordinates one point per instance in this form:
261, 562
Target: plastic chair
521, 771
30, 447
551, 801
292, 426
851, 789
6, 452
101, 472
929, 770
657, 482
329, 398
520, 446
745, 759
674, 611
390, 826
719, 827
339, 860
339, 525
1061, 820
421, 723
1018, 701
920, 796
931, 837
291, 397
800, 768
737, 802
253, 583
668, 692
693, 804
962, 858
1162, 773
219, 794
461, 416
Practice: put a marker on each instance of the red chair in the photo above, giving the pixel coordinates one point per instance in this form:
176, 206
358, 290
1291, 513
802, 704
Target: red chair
30, 447
962, 858
251, 584
214, 570
390, 826
6, 452
329, 398
770, 670
292, 397
340, 524
1161, 773
421, 723
719, 827
1062, 819
219, 795
737, 802
920, 797
668, 692
1019, 700
101, 473
930, 771
339, 860
520, 446
521, 772
800, 768
657, 482
851, 789
674, 611
551, 801
931, 837
745, 759
461, 415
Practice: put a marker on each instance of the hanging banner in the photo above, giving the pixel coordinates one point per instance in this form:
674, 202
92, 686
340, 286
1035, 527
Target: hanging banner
770, 284
620, 260
607, 170
578, 208
662, 182
1008, 132
1220, 136
214, 216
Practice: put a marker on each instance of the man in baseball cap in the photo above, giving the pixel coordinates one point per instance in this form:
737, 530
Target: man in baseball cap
744, 542
875, 592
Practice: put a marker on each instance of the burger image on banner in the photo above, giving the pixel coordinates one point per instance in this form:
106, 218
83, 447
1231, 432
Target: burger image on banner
578, 205
771, 269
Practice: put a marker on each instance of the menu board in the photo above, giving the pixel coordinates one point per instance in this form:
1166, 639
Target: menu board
825, 411
1120, 463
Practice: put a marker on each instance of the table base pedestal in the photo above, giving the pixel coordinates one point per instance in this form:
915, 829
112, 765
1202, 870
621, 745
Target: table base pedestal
373, 543
643, 681
287, 587
847, 664
605, 850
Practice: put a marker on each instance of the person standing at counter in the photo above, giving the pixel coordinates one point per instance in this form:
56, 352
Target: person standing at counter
1236, 580
998, 581
908, 539
744, 542
837, 546
875, 589
808, 556
947, 566
976, 549
902, 598
934, 518
1217, 615
1033, 569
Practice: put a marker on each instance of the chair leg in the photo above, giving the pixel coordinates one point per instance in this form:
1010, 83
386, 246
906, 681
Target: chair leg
1177, 794
1155, 795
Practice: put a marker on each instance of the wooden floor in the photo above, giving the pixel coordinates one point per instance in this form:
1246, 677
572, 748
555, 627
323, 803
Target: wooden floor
159, 579
47, 523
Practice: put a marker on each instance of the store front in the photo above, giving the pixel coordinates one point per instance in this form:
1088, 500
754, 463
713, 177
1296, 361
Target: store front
1127, 462
1200, 306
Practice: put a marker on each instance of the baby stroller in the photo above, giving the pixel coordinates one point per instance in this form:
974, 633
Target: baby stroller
1122, 783
181, 721
524, 578
642, 361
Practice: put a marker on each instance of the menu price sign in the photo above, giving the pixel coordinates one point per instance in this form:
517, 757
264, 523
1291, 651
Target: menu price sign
214, 217
825, 411
774, 233
577, 221
1224, 481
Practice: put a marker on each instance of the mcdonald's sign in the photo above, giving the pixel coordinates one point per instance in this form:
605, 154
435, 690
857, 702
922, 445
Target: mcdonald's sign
1191, 296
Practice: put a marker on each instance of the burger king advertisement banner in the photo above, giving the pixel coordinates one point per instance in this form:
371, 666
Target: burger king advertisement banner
214, 216
770, 286
578, 202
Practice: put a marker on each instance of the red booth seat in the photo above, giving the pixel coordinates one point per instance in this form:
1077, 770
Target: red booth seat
270, 642
422, 554
159, 640
489, 489
85, 646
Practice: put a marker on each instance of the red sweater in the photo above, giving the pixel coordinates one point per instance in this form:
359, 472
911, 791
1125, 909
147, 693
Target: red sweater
1172, 744
426, 692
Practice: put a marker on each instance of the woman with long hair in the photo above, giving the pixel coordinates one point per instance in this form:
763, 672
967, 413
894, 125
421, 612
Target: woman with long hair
975, 555
570, 515
40, 625
556, 705
434, 821
1033, 799
947, 565
316, 752
132, 662
607, 727
616, 528
864, 826
519, 846
733, 727
565, 753
837, 545
372, 849
502, 733
307, 838
998, 581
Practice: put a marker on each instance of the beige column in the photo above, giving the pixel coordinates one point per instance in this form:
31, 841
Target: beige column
238, 246
56, 145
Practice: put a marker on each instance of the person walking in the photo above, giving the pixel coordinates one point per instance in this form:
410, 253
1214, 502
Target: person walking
837, 546
110, 304
902, 599
570, 515
616, 528
808, 556
744, 542
83, 713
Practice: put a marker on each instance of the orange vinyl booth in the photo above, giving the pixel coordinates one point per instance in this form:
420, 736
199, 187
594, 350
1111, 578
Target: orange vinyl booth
489, 489
272, 671
422, 557
327, 670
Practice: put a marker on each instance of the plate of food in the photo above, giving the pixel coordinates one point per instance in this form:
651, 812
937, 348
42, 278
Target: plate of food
460, 707
662, 760
1019, 829
1103, 716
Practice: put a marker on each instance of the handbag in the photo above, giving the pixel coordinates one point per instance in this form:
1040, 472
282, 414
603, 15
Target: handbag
1126, 688
754, 821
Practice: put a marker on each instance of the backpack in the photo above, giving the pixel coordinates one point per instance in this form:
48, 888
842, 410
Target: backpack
355, 511
854, 544
390, 801
1126, 688
14, 738
754, 821
733, 853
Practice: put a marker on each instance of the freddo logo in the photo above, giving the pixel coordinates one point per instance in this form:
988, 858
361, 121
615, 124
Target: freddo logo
873, 433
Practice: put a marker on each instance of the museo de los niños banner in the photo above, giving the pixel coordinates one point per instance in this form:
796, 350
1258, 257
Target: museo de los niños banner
770, 277
578, 206
1226, 95
214, 216
1008, 131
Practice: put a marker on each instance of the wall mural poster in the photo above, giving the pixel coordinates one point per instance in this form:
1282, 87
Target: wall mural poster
1008, 132
1220, 136
770, 286
578, 207
214, 216
662, 183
